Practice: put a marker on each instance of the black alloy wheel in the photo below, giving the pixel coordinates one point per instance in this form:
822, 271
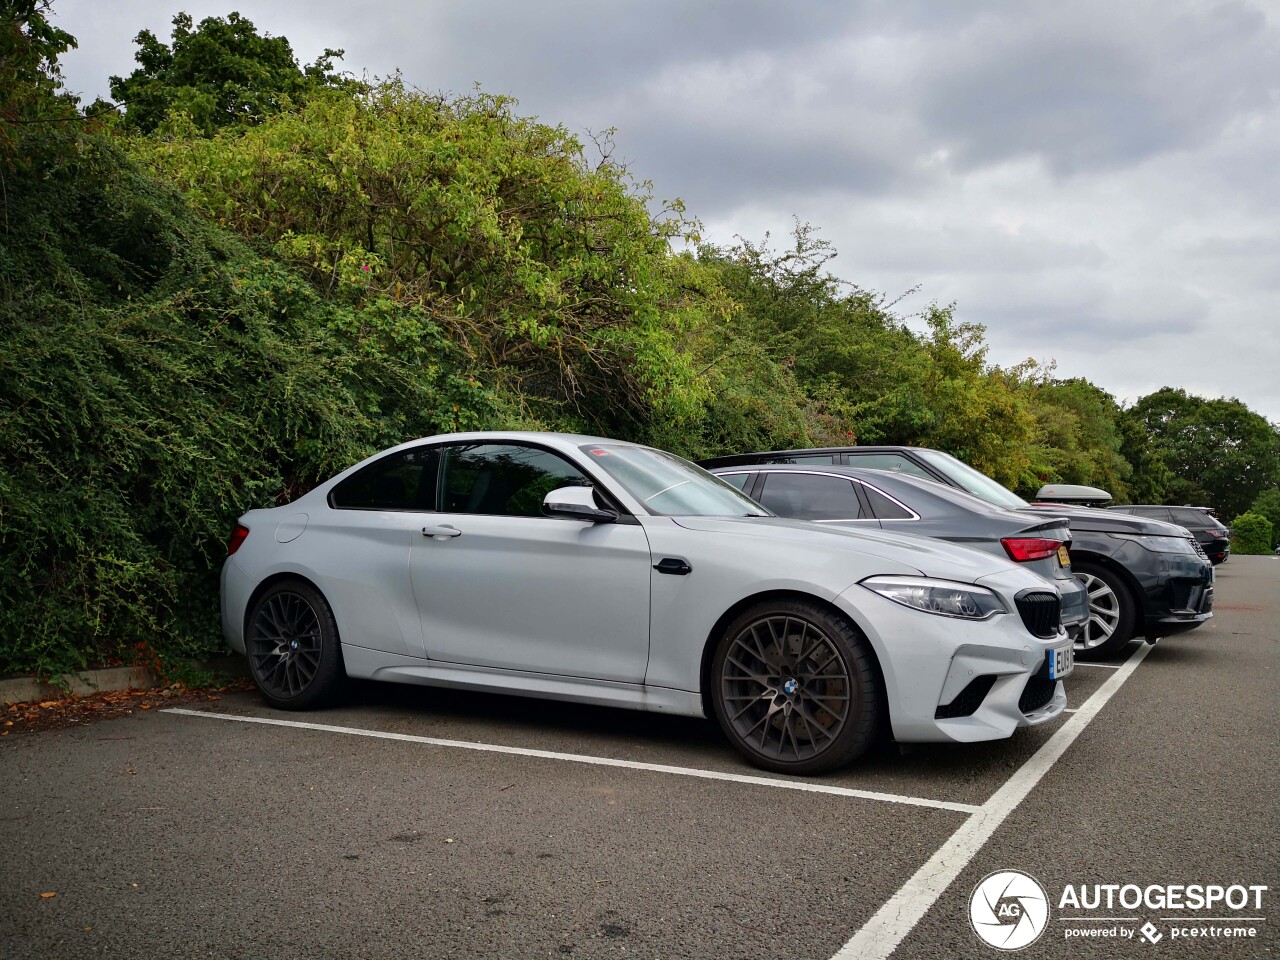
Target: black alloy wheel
292, 642
795, 688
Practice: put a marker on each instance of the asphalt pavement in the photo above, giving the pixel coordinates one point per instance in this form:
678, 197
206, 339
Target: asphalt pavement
420, 823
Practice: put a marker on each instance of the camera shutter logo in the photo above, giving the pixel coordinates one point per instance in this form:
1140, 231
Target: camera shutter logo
1009, 910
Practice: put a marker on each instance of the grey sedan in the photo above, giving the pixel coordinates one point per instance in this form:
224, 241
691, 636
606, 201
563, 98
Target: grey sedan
858, 496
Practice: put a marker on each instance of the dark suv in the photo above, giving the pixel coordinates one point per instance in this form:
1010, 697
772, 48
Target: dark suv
1215, 539
1144, 577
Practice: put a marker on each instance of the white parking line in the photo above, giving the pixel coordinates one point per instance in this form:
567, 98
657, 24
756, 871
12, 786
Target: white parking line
1101, 666
887, 928
597, 761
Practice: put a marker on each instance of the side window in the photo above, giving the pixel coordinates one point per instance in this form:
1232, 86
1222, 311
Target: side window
884, 508
887, 461
825, 458
811, 496
503, 479
1190, 518
401, 481
737, 480
1155, 513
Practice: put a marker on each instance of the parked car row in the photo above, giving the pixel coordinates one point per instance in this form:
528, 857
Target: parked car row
592, 570
1144, 577
1209, 531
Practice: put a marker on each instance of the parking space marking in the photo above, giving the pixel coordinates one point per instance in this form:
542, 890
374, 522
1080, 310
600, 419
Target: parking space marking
597, 761
1101, 666
887, 928
881, 935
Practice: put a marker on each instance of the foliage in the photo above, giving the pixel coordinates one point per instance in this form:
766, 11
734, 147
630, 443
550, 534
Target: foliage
550, 274
1149, 478
1080, 434
1268, 505
1220, 453
30, 78
157, 378
862, 375
220, 73
1251, 534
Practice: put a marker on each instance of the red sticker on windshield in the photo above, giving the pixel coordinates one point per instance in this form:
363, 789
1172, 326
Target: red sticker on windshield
599, 453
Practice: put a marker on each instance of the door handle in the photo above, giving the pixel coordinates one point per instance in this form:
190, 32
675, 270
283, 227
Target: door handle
443, 532
673, 566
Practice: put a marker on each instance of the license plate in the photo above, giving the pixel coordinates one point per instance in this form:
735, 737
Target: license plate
1064, 558
1061, 662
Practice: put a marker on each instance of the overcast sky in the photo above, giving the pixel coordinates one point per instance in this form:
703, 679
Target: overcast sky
1097, 183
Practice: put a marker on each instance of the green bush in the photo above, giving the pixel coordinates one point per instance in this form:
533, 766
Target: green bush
157, 378
1251, 533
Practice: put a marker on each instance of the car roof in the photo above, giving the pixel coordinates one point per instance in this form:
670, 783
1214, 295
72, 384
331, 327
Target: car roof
892, 482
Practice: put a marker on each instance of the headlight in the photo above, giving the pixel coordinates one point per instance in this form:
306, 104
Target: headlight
1159, 544
943, 597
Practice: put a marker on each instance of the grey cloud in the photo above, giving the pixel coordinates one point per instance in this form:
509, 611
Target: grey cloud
1098, 85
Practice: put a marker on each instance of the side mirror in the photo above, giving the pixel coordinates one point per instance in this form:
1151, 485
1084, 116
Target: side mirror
576, 503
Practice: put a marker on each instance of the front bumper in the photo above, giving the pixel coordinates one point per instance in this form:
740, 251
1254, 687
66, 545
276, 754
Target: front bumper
931, 663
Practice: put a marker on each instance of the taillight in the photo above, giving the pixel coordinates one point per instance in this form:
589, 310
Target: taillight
1022, 549
237, 538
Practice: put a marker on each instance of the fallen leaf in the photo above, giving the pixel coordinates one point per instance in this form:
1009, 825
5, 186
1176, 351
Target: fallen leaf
146, 706
48, 896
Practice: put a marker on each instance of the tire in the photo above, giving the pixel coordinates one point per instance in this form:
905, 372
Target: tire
795, 688
291, 639
1112, 613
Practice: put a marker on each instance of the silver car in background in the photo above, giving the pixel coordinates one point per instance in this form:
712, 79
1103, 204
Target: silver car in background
861, 497
585, 569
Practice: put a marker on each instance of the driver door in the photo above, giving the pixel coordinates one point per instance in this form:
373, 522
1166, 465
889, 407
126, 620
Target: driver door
512, 589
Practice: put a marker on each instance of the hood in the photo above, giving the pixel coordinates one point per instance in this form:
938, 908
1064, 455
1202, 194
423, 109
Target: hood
1109, 521
931, 558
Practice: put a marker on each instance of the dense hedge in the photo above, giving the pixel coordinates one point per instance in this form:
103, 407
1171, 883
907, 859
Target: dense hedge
1251, 533
158, 378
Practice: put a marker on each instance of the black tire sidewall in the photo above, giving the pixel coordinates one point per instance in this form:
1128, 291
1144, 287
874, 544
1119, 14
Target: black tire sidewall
864, 722
1127, 609
330, 675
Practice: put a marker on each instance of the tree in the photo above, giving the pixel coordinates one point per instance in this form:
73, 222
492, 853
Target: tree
30, 78
548, 271
1220, 452
1079, 427
221, 73
1268, 505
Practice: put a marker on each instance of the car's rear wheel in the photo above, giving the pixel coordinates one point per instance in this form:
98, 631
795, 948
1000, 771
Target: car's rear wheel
292, 642
1112, 613
795, 688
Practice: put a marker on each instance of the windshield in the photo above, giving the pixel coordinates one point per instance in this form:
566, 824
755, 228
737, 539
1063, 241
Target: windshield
967, 478
670, 486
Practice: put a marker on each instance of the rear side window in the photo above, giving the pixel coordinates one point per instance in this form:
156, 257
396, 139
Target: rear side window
811, 496
884, 508
887, 461
401, 481
1155, 513
1193, 518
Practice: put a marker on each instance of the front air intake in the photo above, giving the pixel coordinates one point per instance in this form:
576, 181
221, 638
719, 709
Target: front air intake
1040, 612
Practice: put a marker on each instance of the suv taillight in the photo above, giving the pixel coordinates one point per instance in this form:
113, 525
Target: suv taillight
1023, 549
237, 538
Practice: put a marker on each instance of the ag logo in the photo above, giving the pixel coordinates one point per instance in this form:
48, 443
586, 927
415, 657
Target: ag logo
1009, 910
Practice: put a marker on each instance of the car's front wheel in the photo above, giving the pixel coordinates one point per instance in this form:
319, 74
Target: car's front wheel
795, 688
1112, 612
291, 638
